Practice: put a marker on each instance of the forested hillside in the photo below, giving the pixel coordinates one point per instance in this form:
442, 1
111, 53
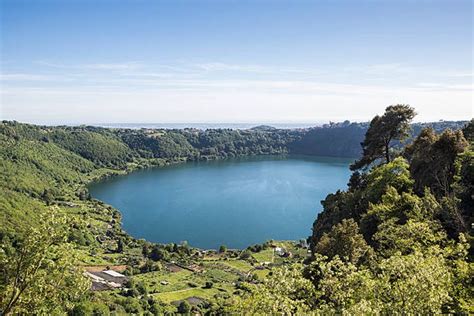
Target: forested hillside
396, 241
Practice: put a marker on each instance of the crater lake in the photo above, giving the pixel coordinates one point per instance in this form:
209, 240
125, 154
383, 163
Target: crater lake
233, 202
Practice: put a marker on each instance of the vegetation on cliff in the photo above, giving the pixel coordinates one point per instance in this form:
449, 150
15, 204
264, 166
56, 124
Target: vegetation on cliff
396, 241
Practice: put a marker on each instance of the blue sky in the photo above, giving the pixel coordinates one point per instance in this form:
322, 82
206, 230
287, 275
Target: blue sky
233, 61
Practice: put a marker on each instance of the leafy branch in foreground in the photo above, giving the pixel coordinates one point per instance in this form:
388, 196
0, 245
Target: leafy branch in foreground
38, 272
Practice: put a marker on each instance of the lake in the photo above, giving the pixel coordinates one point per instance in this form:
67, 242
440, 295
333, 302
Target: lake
235, 202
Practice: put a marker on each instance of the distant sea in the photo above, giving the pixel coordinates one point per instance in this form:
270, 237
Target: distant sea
204, 126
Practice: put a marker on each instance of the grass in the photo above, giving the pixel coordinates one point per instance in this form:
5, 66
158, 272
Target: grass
262, 274
240, 265
207, 294
264, 255
184, 284
217, 275
176, 281
85, 258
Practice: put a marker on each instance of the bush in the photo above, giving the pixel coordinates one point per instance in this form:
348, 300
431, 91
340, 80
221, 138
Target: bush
82, 309
184, 307
245, 255
141, 288
100, 309
131, 305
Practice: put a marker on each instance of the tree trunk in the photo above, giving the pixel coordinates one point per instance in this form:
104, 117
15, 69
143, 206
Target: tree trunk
387, 153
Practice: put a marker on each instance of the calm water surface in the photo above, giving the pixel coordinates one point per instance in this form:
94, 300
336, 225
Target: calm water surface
235, 202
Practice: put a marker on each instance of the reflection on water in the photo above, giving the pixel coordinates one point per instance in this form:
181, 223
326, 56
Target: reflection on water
236, 202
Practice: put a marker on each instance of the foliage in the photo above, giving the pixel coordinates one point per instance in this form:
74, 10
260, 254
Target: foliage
462, 214
284, 292
383, 130
184, 307
394, 174
345, 241
332, 140
90, 308
39, 272
432, 160
104, 149
414, 213
414, 283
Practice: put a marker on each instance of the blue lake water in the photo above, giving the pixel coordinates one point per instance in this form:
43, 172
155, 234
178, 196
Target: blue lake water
235, 202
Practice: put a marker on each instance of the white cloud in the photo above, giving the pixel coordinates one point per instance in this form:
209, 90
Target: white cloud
26, 77
132, 65
444, 86
380, 69
117, 66
228, 102
217, 66
459, 74
248, 68
132, 91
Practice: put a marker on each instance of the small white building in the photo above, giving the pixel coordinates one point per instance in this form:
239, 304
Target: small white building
279, 251
114, 274
106, 279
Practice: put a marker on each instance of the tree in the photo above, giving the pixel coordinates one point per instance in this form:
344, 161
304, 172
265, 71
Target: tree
419, 155
82, 309
83, 194
445, 151
222, 248
468, 131
407, 238
463, 188
184, 307
442, 164
433, 160
132, 306
155, 307
284, 292
47, 197
393, 125
142, 288
345, 241
40, 273
90, 308
175, 248
341, 287
417, 283
244, 255
145, 250
158, 254
119, 246
401, 284
394, 174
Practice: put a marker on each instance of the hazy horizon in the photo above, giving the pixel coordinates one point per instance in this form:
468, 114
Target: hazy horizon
209, 125
206, 61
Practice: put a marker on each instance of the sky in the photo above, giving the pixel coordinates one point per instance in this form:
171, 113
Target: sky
262, 61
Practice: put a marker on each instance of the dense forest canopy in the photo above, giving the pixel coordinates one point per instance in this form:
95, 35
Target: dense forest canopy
396, 241
114, 147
